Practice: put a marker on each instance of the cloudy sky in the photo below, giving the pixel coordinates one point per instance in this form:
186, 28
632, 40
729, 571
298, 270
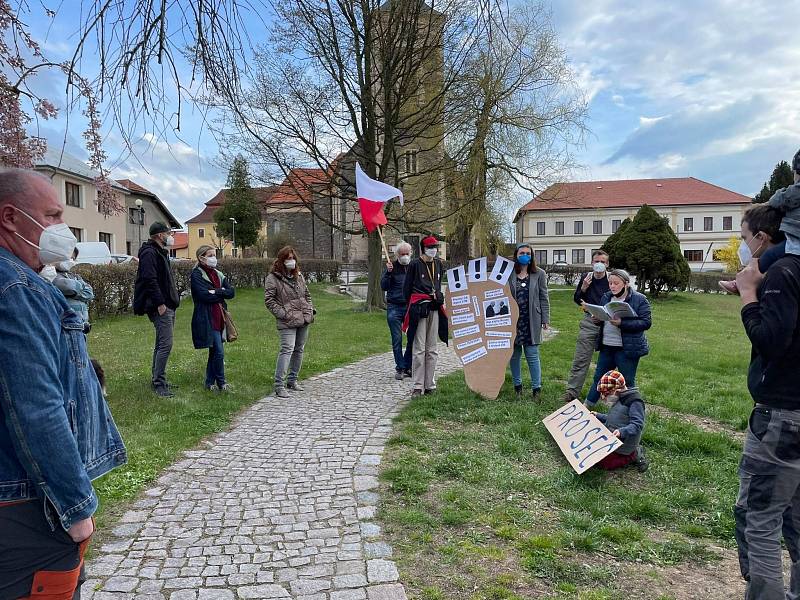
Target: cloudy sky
705, 89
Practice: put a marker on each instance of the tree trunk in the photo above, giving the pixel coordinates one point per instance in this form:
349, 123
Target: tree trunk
375, 270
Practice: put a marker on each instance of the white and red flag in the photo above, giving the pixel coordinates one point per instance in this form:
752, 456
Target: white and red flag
372, 195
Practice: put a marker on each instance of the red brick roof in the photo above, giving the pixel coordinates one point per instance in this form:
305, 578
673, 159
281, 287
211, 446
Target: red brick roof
632, 192
263, 196
181, 240
135, 187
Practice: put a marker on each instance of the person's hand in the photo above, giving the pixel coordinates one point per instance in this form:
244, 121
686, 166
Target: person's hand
595, 320
162, 308
615, 433
81, 530
747, 281
587, 281
389, 266
545, 326
615, 322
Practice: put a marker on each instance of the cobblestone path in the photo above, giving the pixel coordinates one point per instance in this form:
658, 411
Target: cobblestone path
280, 506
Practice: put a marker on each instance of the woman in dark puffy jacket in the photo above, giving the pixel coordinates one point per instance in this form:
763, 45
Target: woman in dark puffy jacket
210, 289
622, 341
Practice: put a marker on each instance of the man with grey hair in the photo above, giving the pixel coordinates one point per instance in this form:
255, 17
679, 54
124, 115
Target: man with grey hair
392, 283
56, 431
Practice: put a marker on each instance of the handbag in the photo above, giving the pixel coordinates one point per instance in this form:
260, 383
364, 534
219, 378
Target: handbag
231, 333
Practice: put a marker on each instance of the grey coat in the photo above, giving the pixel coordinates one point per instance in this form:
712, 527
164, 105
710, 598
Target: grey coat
538, 302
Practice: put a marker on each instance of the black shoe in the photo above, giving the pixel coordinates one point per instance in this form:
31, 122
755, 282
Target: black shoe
294, 387
398, 375
536, 394
416, 393
164, 392
430, 391
407, 373
641, 461
518, 391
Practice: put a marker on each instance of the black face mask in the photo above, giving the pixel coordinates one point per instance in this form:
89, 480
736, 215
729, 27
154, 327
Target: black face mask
621, 294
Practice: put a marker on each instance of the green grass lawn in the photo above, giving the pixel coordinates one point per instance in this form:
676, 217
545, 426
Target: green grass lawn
156, 429
480, 504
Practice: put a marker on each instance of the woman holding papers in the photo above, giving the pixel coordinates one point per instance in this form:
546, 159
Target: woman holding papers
623, 316
529, 288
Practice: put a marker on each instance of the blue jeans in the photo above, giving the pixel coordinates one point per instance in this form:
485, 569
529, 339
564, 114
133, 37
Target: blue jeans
395, 314
215, 368
534, 366
612, 357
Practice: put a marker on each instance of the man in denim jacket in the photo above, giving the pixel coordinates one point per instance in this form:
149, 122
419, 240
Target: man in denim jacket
56, 431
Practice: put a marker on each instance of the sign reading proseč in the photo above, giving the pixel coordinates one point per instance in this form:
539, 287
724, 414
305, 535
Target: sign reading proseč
583, 439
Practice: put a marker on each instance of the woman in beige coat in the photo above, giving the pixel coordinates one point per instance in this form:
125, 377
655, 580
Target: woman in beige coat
286, 296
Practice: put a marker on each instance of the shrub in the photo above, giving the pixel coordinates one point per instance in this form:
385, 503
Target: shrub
707, 282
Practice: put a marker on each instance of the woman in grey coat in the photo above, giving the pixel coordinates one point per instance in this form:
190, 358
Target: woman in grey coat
529, 288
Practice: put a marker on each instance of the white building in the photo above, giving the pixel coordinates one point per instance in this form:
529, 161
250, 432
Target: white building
568, 221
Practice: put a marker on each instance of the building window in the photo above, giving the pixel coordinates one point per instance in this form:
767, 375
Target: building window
597, 227
276, 227
579, 257
201, 233
136, 216
540, 228
577, 227
688, 224
128, 249
107, 239
78, 233
559, 256
73, 191
708, 223
540, 256
559, 227
693, 255
727, 223
408, 162
615, 225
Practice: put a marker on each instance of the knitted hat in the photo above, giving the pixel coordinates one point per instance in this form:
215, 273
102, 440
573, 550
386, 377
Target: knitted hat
158, 227
610, 383
429, 241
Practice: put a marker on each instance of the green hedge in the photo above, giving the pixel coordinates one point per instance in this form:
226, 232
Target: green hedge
707, 283
113, 284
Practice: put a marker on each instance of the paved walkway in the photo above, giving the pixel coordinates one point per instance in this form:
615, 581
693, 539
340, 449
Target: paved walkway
280, 506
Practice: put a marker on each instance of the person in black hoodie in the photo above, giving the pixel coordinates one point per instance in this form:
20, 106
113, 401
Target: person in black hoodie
392, 283
155, 295
769, 472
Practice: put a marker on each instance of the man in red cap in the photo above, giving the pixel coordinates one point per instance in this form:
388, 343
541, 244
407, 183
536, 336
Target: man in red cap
625, 419
425, 318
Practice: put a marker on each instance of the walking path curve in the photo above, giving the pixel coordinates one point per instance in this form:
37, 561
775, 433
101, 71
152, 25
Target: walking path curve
279, 506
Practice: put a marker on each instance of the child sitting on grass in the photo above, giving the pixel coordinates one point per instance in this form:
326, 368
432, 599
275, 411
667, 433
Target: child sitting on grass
625, 419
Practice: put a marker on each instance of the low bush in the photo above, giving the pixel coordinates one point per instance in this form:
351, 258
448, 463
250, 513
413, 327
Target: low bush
708, 282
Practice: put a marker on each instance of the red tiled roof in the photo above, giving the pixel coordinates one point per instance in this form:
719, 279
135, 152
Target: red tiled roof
134, 187
181, 240
632, 192
298, 186
263, 196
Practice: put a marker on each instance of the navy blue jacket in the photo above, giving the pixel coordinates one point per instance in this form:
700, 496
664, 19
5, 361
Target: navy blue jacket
634, 341
203, 301
392, 284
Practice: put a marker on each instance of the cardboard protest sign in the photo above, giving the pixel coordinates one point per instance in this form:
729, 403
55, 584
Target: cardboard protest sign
580, 436
483, 320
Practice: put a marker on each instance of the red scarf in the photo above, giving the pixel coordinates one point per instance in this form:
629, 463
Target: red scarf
217, 322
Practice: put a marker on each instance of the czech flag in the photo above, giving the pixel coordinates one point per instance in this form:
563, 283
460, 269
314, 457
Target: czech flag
372, 195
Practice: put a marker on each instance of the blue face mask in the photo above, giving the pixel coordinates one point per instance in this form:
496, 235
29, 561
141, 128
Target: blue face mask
524, 259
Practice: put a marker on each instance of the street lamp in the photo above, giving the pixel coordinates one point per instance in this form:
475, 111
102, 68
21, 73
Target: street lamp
233, 235
140, 208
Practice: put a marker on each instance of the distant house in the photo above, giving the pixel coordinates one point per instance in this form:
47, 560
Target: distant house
180, 249
138, 219
74, 182
568, 221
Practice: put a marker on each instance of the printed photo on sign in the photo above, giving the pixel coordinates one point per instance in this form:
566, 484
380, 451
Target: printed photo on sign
469, 343
502, 270
477, 269
457, 279
494, 293
498, 344
474, 355
462, 319
460, 300
499, 307
498, 322
499, 334
457, 333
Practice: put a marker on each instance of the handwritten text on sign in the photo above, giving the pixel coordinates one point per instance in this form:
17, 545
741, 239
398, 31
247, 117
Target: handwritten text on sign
583, 439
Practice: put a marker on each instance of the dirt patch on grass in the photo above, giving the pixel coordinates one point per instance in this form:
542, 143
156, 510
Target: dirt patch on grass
702, 423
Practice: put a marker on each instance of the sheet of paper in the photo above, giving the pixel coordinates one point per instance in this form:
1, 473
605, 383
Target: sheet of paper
460, 300
477, 306
499, 322
474, 355
499, 292
502, 270
469, 343
471, 330
498, 344
462, 319
499, 334
477, 269
457, 279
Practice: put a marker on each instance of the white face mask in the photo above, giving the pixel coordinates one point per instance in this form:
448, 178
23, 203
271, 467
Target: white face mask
211, 261
56, 244
745, 254
169, 241
48, 272
290, 264
65, 265
431, 252
404, 259
599, 267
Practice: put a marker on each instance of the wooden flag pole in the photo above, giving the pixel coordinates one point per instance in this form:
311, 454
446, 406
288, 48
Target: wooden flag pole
383, 242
